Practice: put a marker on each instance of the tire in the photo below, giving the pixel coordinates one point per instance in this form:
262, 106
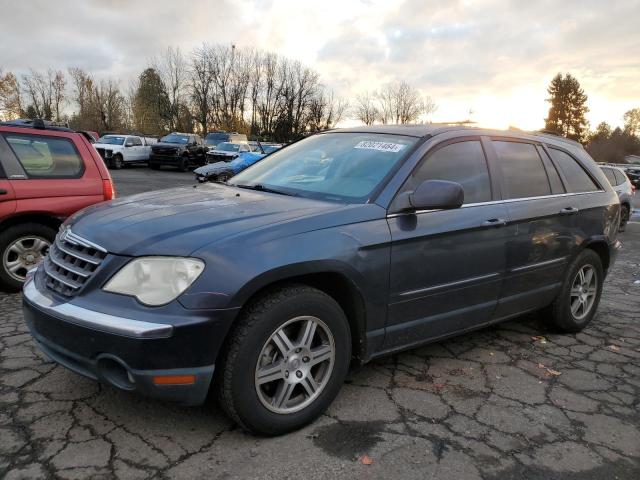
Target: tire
183, 165
565, 318
625, 212
223, 177
23, 233
117, 162
154, 165
252, 340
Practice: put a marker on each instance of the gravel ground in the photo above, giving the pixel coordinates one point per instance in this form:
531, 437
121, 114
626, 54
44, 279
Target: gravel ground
492, 404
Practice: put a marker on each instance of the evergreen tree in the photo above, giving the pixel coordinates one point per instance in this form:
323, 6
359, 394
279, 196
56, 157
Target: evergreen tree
151, 106
632, 121
568, 108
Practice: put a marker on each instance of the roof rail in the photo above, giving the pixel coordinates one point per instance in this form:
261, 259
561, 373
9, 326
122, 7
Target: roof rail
556, 135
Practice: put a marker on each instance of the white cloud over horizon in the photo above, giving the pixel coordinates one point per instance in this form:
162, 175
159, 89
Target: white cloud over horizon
493, 58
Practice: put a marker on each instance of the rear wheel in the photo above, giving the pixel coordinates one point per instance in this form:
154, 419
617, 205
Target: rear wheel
22, 247
578, 300
285, 361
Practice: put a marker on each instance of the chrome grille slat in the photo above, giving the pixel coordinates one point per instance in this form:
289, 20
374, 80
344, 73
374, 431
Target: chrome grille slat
71, 262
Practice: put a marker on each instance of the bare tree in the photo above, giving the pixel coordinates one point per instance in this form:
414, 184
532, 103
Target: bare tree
58, 84
173, 69
401, 103
201, 85
366, 109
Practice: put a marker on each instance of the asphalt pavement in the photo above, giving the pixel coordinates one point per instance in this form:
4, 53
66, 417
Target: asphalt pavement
514, 401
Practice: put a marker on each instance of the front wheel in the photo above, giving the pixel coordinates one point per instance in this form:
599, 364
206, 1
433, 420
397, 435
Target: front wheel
183, 165
625, 213
22, 247
578, 300
285, 361
117, 162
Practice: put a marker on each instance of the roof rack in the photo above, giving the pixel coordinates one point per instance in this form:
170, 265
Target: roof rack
37, 123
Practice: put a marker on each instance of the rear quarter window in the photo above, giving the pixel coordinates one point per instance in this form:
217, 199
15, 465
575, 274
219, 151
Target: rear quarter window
620, 177
577, 179
610, 176
46, 157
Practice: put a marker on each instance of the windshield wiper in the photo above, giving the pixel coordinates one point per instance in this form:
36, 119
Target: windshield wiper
261, 188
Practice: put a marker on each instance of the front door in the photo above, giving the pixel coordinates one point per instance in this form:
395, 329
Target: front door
447, 265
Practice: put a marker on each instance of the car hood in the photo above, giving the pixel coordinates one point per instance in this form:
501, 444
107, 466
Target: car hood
107, 145
168, 145
181, 220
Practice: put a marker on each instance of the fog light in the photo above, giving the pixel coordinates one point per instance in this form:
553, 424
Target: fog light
174, 379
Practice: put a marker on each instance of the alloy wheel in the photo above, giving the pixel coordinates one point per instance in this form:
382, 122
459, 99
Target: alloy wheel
24, 254
295, 365
583, 291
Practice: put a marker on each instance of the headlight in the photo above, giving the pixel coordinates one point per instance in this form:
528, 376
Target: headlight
155, 280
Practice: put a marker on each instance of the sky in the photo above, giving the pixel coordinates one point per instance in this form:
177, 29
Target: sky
487, 60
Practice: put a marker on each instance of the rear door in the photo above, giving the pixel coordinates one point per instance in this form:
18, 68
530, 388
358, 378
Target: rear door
51, 175
545, 222
447, 265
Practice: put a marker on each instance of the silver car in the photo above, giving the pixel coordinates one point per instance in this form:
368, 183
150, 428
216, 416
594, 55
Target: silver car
622, 185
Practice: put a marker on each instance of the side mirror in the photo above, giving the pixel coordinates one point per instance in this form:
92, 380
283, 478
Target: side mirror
432, 195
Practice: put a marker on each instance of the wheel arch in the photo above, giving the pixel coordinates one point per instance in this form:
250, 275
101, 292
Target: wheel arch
32, 217
335, 282
601, 247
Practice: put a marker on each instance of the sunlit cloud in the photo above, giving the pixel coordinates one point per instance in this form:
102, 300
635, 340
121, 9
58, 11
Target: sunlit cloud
486, 60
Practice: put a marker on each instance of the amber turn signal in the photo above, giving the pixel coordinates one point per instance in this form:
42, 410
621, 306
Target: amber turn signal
174, 379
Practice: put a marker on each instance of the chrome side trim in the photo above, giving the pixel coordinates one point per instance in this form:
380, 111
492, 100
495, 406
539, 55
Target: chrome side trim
449, 284
539, 264
96, 320
496, 202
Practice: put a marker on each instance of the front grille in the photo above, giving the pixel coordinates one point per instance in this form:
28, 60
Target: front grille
164, 151
71, 262
104, 153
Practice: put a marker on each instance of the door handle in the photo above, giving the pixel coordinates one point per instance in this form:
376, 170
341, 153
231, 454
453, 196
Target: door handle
569, 211
3, 191
495, 222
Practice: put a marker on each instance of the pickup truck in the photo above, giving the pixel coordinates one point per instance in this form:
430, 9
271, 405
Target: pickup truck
118, 150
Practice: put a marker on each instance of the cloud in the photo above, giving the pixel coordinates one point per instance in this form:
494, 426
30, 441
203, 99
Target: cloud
467, 54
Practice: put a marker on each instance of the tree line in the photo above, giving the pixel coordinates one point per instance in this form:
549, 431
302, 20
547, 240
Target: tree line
213, 87
567, 117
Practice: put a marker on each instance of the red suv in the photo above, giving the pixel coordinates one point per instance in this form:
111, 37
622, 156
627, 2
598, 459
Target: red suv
47, 173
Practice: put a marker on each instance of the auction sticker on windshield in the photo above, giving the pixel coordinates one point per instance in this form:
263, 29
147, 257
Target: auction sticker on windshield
381, 146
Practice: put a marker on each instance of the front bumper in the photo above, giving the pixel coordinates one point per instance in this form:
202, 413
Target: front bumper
125, 353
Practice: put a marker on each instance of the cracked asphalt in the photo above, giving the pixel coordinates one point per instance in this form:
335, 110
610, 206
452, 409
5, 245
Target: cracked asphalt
514, 401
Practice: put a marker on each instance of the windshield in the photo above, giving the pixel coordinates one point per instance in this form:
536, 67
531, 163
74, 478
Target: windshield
111, 140
172, 138
215, 138
228, 147
332, 166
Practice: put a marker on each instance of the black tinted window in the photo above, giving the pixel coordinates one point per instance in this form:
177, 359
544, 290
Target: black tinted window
522, 169
610, 176
462, 162
136, 141
46, 157
578, 180
552, 173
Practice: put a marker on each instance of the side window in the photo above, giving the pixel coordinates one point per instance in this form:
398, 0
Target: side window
462, 162
522, 170
136, 141
620, 177
610, 176
552, 173
129, 142
46, 157
578, 180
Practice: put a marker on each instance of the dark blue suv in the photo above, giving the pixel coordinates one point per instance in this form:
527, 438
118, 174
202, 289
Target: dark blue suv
350, 244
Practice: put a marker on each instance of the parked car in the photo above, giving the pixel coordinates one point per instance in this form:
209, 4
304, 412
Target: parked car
180, 150
382, 238
227, 151
271, 147
223, 171
625, 190
120, 150
46, 174
212, 139
633, 172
